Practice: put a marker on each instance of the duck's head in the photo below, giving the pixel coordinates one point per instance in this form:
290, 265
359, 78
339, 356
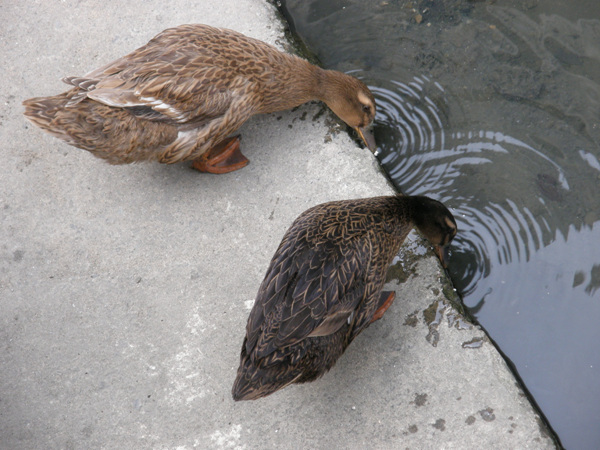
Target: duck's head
435, 222
352, 101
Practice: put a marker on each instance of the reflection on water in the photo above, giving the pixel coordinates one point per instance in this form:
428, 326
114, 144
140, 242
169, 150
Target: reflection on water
460, 168
494, 109
526, 271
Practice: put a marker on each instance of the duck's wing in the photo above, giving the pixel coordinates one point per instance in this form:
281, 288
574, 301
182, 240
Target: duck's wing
308, 291
174, 80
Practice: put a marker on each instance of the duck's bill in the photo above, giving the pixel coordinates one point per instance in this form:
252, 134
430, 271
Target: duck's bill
367, 136
441, 253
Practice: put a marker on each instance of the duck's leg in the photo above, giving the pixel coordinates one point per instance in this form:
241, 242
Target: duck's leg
222, 158
385, 301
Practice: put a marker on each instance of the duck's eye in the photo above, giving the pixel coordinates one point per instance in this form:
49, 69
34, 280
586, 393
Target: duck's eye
366, 108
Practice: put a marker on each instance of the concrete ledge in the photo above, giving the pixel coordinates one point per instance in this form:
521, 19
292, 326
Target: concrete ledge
125, 290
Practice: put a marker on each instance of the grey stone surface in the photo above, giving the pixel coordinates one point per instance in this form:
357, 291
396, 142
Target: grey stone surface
125, 289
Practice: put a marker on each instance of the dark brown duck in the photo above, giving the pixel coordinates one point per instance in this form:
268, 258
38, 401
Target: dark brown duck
181, 96
324, 286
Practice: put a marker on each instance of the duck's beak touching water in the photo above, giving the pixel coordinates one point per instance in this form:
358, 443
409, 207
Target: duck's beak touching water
440, 251
366, 134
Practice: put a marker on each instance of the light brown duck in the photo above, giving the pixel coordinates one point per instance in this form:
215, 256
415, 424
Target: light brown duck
182, 95
324, 287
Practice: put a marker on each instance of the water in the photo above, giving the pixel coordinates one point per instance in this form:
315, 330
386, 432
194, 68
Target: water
494, 108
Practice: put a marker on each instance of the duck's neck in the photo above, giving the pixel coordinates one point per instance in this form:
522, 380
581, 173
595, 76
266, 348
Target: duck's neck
297, 81
336, 88
294, 83
410, 206
330, 85
421, 213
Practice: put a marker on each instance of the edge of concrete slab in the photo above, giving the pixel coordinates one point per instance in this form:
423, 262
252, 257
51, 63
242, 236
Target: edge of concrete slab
452, 302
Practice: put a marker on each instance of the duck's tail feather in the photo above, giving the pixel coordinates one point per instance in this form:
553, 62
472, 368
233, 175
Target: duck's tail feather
44, 112
113, 134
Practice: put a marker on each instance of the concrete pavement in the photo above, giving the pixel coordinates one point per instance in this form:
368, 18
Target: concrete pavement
125, 289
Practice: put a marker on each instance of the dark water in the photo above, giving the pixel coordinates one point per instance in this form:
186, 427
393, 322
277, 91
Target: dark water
493, 107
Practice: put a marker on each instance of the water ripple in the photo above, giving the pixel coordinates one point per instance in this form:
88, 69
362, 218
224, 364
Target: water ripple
473, 172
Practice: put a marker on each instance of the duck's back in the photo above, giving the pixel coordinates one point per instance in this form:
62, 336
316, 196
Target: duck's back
187, 49
321, 290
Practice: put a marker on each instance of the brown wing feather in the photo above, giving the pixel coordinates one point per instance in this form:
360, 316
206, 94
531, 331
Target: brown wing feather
313, 295
331, 263
333, 257
188, 74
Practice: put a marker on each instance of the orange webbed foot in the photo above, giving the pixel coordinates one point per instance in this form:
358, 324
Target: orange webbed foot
386, 299
222, 158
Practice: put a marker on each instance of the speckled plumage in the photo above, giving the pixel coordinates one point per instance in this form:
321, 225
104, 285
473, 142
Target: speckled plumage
324, 285
185, 91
